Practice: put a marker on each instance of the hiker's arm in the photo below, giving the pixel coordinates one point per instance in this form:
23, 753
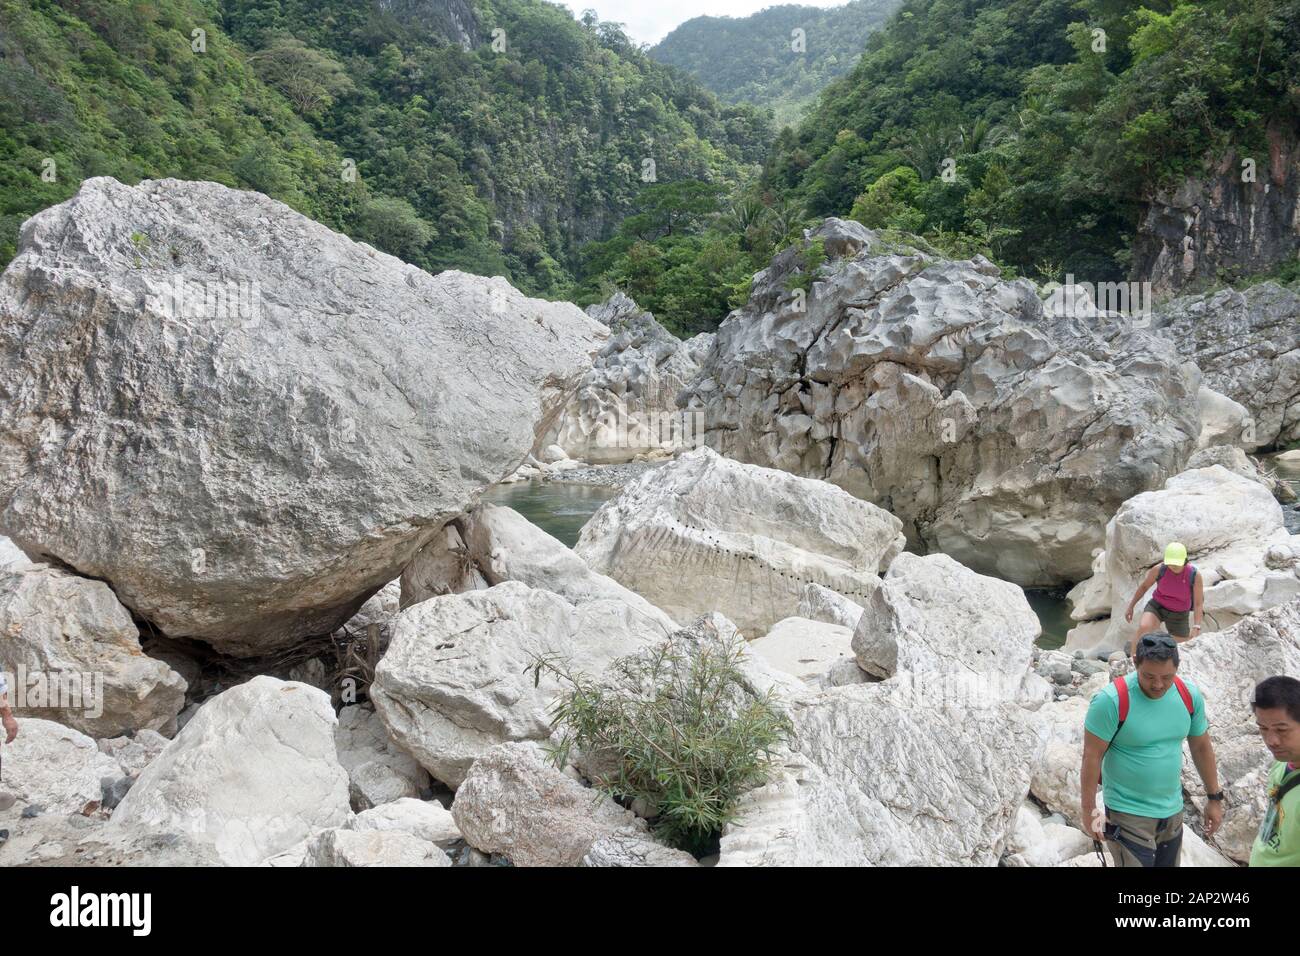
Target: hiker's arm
1198, 602
7, 718
1203, 756
1143, 588
1094, 748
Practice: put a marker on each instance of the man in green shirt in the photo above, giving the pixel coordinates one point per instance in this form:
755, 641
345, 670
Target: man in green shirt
1133, 745
1277, 712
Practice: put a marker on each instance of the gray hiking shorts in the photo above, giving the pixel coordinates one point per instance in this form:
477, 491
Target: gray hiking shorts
1144, 841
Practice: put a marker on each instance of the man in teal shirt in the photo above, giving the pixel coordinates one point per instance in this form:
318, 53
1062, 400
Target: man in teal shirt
1139, 760
1277, 712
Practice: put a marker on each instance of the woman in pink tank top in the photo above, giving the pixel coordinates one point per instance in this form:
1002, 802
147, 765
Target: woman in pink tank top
1178, 597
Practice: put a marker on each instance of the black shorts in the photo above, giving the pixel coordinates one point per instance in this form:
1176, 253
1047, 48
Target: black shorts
1177, 623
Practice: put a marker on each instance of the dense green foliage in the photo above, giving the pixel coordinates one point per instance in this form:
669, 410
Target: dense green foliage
682, 734
759, 59
1052, 134
495, 137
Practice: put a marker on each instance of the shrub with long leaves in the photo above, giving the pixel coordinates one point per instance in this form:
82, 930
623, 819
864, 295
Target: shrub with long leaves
677, 728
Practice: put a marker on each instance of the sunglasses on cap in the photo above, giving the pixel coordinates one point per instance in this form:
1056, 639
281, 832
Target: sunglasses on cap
1159, 640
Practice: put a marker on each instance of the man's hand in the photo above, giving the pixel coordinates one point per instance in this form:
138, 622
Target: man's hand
1128, 614
1095, 819
11, 727
1213, 817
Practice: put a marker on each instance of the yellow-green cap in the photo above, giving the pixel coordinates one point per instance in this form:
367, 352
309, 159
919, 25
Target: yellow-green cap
1175, 555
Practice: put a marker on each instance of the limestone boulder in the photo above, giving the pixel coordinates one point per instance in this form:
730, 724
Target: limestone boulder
53, 768
499, 545
513, 803
1247, 344
705, 533
253, 773
932, 618
817, 653
379, 771
426, 819
73, 655
1226, 666
455, 680
244, 422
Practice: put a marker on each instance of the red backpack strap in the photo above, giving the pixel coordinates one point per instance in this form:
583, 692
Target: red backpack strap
1186, 695
1121, 688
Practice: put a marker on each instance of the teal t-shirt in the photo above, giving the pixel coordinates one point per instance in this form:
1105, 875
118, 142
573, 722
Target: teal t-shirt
1142, 771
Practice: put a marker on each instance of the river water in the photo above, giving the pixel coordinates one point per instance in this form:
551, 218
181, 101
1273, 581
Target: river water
562, 508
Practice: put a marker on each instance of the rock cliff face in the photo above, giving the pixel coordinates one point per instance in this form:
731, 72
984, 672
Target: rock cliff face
626, 404
246, 423
1000, 435
1218, 226
1247, 344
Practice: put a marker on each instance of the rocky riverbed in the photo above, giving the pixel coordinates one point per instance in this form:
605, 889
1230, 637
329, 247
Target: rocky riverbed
276, 575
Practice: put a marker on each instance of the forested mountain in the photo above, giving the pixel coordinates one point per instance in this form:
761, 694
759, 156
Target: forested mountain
495, 136
760, 59
1038, 130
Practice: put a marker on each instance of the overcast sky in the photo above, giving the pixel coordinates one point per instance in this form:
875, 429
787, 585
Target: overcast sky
649, 21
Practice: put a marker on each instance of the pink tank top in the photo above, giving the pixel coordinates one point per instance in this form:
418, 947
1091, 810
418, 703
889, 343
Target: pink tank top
1174, 589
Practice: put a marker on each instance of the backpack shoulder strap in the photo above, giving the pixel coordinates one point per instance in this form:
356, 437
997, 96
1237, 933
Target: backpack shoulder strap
1161, 573
1121, 688
1186, 695
1285, 787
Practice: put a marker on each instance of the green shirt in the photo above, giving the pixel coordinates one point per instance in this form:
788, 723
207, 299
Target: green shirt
1278, 843
1142, 770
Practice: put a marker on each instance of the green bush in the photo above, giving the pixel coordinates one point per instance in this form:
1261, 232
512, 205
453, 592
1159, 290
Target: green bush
678, 729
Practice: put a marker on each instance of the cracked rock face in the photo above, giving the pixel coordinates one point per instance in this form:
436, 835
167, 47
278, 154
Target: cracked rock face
626, 404
1247, 344
941, 392
244, 422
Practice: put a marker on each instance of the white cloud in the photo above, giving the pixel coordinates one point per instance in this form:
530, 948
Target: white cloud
649, 21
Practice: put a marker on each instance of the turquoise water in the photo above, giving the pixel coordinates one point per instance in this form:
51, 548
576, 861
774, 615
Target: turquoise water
557, 508
562, 509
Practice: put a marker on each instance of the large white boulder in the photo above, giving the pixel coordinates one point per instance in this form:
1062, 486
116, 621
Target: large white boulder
934, 618
880, 776
254, 773
705, 533
244, 422
72, 653
454, 682
425, 819
1223, 421
1234, 533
